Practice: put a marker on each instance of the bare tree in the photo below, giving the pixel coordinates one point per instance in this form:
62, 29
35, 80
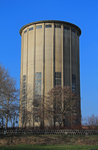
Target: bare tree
71, 108
59, 108
9, 106
63, 107
91, 121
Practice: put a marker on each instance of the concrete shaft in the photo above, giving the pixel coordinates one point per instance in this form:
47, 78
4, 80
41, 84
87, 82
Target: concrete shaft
49, 57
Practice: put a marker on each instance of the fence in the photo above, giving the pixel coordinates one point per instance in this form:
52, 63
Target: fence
22, 131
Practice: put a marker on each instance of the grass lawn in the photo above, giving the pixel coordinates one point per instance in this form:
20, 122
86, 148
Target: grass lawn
43, 147
49, 142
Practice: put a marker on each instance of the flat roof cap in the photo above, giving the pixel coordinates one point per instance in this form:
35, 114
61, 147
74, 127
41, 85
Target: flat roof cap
51, 21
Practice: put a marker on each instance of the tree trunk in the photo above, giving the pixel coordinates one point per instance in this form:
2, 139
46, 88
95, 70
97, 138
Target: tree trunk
6, 122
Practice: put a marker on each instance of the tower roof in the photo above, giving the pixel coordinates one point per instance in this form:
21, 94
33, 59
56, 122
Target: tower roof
51, 21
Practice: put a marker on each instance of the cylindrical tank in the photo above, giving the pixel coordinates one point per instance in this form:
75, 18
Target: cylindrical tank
49, 57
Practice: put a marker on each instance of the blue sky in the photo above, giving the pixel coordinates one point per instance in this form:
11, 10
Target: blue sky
84, 13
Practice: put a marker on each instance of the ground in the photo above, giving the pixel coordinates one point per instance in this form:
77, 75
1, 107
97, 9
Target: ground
48, 147
49, 142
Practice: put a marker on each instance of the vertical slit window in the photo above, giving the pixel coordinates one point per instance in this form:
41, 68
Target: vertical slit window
57, 79
24, 92
37, 84
73, 82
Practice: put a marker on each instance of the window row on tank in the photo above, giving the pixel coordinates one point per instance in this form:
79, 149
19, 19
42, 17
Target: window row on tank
66, 28
38, 83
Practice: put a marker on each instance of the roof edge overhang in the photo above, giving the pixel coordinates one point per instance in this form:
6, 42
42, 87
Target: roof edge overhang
51, 21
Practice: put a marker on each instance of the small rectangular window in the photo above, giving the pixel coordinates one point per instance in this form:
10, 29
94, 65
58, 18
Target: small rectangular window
57, 26
73, 30
24, 77
24, 97
39, 26
25, 31
78, 33
48, 26
24, 92
66, 28
30, 28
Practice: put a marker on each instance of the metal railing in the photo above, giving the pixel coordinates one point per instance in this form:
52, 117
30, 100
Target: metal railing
24, 131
